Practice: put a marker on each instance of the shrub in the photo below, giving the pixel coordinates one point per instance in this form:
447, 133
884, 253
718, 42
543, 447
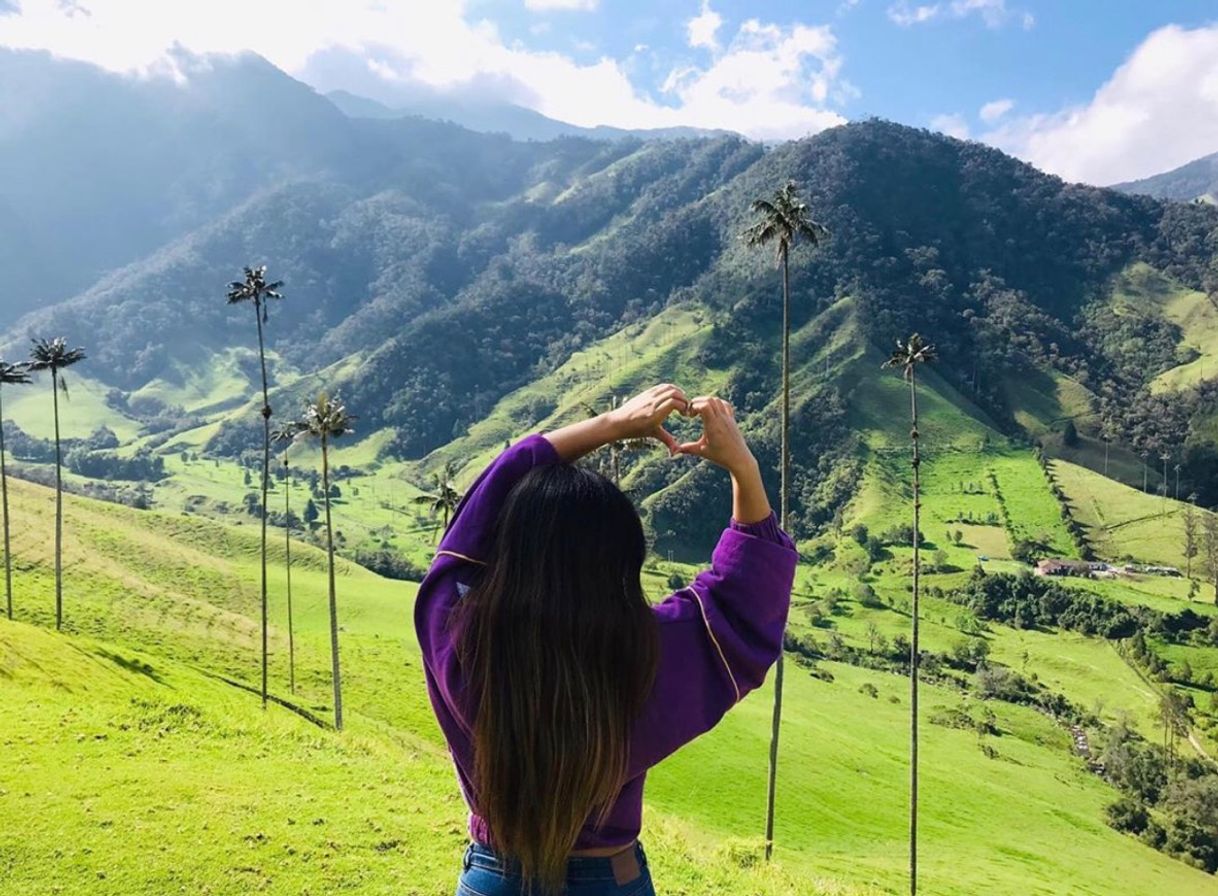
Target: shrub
1127, 815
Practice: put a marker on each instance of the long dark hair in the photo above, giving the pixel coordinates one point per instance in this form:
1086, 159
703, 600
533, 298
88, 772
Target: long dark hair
558, 639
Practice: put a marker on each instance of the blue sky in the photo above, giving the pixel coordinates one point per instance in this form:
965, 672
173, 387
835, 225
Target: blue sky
950, 63
1094, 91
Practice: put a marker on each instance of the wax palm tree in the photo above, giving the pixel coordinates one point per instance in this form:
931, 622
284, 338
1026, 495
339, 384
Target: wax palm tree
1192, 541
621, 446
54, 355
255, 289
443, 499
908, 356
783, 220
284, 437
326, 419
10, 375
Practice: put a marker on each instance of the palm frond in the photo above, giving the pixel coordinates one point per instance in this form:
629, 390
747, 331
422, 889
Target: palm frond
325, 417
53, 354
910, 353
813, 231
784, 218
14, 374
254, 288
285, 433
763, 207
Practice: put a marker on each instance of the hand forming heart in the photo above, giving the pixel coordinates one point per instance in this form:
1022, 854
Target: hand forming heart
721, 441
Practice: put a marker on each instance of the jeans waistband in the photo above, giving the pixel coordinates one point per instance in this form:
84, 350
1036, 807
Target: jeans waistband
586, 868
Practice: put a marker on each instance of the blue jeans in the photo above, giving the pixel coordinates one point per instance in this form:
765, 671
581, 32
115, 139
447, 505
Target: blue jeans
486, 874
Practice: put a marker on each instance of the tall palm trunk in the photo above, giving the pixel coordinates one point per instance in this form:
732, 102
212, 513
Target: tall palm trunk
338, 687
8, 553
784, 470
287, 551
266, 467
913, 644
58, 505
1165, 486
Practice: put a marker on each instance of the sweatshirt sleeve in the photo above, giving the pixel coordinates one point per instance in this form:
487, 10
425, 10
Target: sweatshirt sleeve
718, 637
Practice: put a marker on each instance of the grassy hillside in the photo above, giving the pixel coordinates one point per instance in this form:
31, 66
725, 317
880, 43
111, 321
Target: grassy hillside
1143, 288
166, 602
136, 774
1123, 521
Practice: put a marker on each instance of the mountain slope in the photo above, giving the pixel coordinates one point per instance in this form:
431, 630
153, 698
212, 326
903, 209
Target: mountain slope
497, 117
456, 268
1197, 179
80, 196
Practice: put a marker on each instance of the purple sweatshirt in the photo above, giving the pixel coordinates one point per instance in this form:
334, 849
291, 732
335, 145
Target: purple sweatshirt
718, 638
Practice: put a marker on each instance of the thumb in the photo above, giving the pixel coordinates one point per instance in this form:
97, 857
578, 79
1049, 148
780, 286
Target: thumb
694, 448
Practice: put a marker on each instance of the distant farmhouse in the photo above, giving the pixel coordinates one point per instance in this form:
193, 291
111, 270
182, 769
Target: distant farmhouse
1052, 566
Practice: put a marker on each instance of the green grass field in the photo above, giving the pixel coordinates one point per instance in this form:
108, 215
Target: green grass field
119, 723
1122, 521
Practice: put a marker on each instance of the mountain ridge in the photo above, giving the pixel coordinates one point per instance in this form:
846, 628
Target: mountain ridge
490, 116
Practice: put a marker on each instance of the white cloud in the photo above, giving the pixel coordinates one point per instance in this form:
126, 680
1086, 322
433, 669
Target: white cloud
994, 110
906, 14
994, 13
769, 82
1157, 111
547, 5
952, 125
703, 28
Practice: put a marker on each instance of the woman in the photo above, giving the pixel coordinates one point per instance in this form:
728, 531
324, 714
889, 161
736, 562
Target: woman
555, 683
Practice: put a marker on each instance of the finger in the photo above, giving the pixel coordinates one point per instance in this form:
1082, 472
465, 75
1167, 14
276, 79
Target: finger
666, 438
696, 405
672, 392
695, 448
670, 405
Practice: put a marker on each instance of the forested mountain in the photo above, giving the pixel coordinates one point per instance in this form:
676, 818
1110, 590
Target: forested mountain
440, 269
1195, 180
101, 169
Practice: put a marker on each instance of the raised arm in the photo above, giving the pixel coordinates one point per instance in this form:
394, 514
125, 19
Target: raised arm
471, 531
720, 635
641, 417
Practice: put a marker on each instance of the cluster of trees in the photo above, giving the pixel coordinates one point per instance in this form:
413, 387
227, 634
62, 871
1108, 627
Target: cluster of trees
323, 420
1078, 534
52, 356
143, 466
1168, 801
1029, 601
